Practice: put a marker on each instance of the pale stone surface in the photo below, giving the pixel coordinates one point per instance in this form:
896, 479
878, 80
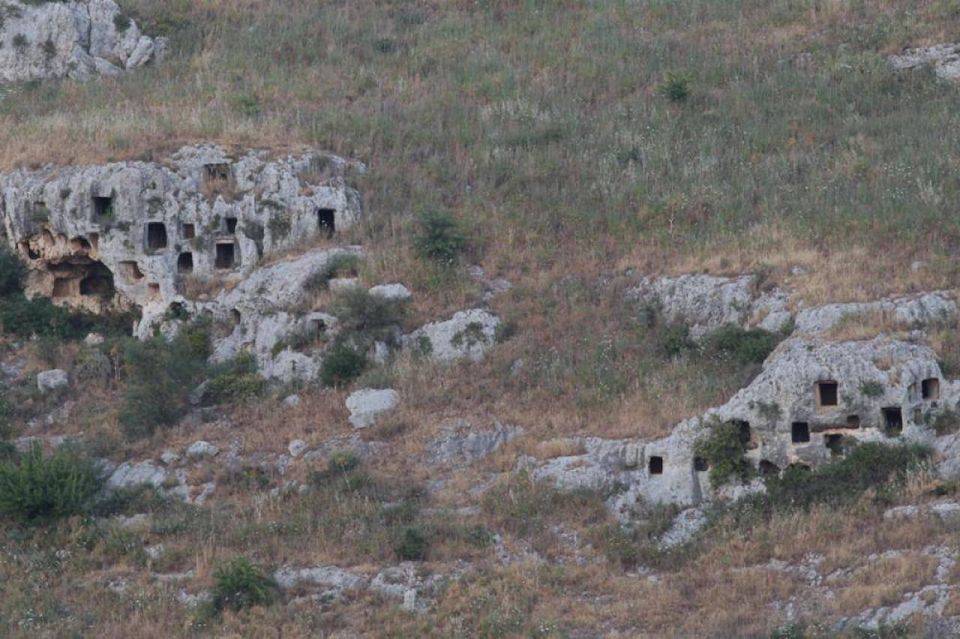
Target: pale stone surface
201, 449
367, 404
330, 577
52, 380
944, 58
459, 442
467, 335
296, 447
393, 292
71, 40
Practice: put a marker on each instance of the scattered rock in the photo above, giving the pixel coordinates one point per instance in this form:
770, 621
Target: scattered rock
52, 380
71, 40
393, 292
334, 580
944, 58
296, 447
130, 475
93, 339
467, 335
200, 449
169, 458
367, 404
343, 283
685, 527
408, 584
460, 443
291, 401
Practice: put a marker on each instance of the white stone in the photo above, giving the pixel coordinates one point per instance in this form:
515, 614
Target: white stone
52, 380
948, 512
296, 447
367, 404
338, 284
291, 401
168, 457
131, 475
70, 40
685, 527
394, 292
93, 339
459, 442
200, 449
330, 577
467, 335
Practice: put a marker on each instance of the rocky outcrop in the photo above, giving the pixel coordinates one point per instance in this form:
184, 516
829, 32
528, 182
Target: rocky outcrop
76, 39
944, 58
467, 335
460, 443
367, 404
707, 302
811, 401
911, 312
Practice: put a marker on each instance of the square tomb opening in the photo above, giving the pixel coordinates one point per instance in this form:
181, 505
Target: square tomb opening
930, 388
226, 256
102, 206
189, 231
185, 263
327, 221
827, 393
834, 444
156, 236
892, 420
799, 432
655, 465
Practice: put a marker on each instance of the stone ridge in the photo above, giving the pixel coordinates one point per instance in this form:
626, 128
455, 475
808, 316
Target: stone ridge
137, 234
74, 40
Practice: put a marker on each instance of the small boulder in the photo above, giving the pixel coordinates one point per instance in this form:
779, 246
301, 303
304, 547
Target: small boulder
367, 404
291, 401
200, 449
168, 457
343, 283
52, 380
392, 292
296, 447
93, 339
466, 335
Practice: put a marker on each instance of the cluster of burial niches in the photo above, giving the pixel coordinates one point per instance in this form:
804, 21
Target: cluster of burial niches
822, 427
137, 232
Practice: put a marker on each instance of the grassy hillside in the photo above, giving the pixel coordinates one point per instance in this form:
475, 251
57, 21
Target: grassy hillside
581, 144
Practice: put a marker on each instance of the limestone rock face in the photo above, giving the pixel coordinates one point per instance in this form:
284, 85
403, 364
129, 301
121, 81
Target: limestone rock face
367, 404
144, 233
707, 302
52, 380
944, 58
76, 39
467, 335
459, 442
917, 311
810, 402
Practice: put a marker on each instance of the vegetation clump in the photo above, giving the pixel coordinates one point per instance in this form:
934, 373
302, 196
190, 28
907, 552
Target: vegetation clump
34, 487
440, 238
342, 365
723, 448
239, 584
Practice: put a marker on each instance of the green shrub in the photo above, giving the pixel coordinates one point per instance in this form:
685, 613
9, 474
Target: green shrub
367, 317
740, 345
12, 272
945, 423
340, 265
239, 584
235, 380
722, 447
35, 488
412, 545
871, 389
867, 466
343, 461
674, 340
160, 376
440, 238
675, 86
342, 365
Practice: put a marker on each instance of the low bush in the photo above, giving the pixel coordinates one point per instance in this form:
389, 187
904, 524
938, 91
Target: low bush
235, 380
675, 86
239, 584
12, 272
944, 423
867, 466
367, 317
35, 487
740, 345
342, 365
440, 238
723, 449
160, 376
673, 340
412, 546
